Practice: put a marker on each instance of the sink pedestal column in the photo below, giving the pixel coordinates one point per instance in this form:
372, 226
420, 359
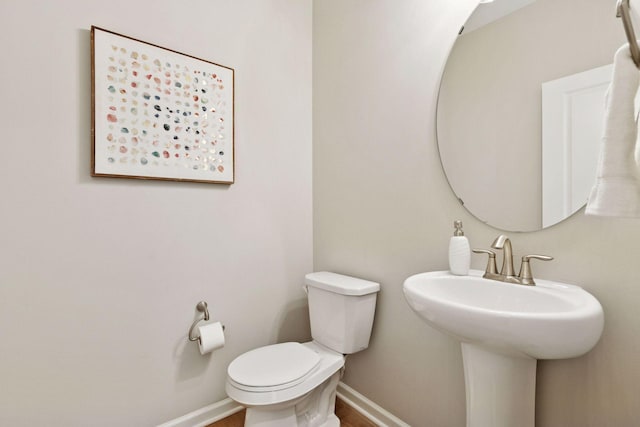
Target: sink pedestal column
500, 388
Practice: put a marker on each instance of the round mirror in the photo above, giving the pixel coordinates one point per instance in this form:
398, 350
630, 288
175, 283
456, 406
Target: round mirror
521, 106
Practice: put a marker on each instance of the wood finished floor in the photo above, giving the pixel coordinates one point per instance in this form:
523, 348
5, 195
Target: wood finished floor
349, 417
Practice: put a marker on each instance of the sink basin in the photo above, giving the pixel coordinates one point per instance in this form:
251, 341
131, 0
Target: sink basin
503, 329
548, 321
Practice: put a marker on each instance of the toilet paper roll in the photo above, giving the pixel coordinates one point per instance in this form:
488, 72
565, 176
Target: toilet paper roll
211, 337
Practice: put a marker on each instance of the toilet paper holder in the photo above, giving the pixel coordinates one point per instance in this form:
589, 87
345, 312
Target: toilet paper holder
202, 308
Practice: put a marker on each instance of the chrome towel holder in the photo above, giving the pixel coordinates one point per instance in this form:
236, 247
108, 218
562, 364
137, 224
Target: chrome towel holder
622, 11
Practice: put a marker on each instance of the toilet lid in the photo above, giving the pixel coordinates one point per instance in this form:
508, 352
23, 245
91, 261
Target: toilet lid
274, 365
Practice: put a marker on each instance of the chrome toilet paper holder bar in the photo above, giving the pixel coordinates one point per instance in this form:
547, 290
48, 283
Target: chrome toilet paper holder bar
202, 308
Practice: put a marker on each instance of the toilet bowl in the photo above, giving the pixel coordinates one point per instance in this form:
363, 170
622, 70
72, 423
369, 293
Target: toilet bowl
281, 377
294, 384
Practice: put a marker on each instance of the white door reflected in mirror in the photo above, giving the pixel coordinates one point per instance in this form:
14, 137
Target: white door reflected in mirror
572, 124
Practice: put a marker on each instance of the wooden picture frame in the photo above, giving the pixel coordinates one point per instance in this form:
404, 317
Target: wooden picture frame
159, 114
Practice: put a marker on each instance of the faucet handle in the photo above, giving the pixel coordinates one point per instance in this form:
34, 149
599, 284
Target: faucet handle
491, 269
525, 276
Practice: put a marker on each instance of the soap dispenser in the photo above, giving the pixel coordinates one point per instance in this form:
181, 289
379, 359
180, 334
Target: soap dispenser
459, 251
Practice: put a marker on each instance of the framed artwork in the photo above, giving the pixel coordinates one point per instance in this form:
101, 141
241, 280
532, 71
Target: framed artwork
159, 114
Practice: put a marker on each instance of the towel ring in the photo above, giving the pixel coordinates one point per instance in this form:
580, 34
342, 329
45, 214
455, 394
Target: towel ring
202, 308
622, 11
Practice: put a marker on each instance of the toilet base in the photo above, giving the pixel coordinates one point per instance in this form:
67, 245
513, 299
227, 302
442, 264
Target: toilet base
315, 409
285, 419
332, 421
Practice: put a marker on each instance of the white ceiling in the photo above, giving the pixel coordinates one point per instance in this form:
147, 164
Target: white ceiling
489, 12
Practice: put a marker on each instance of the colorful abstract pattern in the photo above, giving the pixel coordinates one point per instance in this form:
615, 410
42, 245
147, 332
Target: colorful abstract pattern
160, 113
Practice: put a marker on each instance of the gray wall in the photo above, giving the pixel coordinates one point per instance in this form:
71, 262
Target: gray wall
383, 211
99, 278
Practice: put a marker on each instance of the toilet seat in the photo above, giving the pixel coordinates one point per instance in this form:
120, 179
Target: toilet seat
274, 367
329, 363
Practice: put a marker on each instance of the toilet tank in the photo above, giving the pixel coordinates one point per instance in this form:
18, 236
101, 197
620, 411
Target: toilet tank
341, 310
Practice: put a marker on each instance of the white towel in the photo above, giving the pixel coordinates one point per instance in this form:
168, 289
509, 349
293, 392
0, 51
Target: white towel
617, 188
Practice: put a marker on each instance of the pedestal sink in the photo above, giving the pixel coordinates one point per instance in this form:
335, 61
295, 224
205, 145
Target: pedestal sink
504, 328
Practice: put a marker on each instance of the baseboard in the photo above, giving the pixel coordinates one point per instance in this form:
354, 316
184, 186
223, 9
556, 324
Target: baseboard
204, 416
215, 412
372, 411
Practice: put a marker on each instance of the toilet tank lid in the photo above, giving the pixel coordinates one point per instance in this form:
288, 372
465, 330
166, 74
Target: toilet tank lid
340, 284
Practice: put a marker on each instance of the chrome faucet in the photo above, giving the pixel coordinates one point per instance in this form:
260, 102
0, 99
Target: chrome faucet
507, 273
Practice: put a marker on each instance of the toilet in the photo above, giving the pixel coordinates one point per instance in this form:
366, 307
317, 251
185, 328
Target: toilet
294, 384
